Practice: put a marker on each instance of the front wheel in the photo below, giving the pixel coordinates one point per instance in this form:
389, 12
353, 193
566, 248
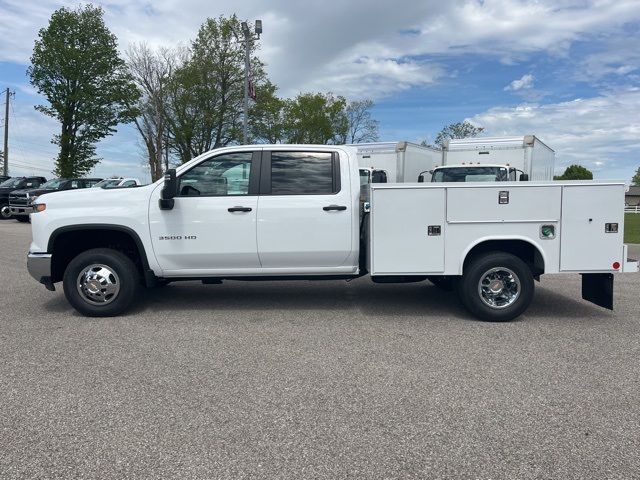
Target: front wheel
5, 212
101, 282
496, 287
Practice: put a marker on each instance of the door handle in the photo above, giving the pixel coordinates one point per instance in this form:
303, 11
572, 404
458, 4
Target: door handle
239, 209
334, 207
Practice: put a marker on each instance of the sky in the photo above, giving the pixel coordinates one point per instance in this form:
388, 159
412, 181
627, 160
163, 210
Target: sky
567, 71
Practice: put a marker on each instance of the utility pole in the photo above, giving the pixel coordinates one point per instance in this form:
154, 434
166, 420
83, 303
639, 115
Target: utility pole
6, 135
248, 36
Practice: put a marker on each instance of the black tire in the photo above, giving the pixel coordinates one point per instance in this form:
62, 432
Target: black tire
126, 277
22, 218
5, 213
444, 282
515, 295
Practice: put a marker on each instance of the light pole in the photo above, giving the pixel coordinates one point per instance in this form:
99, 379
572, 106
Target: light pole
248, 36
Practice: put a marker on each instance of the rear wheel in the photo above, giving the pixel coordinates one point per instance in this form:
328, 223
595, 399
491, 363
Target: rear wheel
101, 282
496, 287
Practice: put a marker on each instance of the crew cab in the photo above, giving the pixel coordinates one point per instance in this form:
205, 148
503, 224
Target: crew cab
296, 212
21, 201
15, 183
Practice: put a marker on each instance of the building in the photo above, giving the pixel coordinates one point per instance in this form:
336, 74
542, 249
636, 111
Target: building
632, 197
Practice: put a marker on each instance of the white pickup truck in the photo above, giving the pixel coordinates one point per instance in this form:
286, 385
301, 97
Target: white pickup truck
296, 212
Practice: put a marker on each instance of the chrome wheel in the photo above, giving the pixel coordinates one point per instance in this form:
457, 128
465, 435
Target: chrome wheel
98, 284
499, 287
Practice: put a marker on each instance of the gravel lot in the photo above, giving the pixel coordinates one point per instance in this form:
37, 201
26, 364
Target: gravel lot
315, 380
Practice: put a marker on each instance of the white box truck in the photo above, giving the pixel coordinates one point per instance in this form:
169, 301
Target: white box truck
495, 159
400, 161
293, 212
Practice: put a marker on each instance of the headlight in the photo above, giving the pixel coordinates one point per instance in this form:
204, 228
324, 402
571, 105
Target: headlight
39, 207
33, 199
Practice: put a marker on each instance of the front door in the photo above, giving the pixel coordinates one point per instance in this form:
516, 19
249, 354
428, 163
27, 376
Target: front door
212, 226
305, 210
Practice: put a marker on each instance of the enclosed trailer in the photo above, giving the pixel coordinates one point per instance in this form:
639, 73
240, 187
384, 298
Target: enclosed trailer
402, 161
528, 154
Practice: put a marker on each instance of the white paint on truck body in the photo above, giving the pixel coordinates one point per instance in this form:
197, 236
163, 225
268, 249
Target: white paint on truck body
469, 214
403, 161
527, 153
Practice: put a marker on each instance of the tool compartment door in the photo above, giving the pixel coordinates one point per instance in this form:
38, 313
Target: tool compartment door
585, 245
400, 239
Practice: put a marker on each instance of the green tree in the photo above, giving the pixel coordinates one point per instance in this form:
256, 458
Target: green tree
316, 118
266, 116
75, 65
206, 93
456, 131
636, 178
575, 172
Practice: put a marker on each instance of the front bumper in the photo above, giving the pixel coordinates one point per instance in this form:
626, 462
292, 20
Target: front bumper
39, 267
20, 209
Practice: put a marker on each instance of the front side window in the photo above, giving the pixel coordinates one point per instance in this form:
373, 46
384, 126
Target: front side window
54, 184
223, 175
303, 173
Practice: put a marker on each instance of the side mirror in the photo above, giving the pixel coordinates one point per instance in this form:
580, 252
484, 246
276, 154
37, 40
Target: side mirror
524, 177
169, 191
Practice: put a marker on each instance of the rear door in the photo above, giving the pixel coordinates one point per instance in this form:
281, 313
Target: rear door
304, 210
591, 231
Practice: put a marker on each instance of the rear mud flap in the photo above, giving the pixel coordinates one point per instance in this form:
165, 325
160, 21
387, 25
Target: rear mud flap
598, 288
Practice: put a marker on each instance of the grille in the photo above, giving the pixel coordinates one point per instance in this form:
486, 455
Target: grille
18, 199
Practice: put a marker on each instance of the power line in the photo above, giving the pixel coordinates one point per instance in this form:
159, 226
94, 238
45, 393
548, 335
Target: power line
19, 144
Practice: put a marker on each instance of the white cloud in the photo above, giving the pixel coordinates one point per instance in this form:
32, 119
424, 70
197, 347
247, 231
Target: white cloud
601, 133
522, 83
320, 45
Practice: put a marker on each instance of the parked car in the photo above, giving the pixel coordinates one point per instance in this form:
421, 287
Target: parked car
118, 183
4, 178
21, 201
12, 184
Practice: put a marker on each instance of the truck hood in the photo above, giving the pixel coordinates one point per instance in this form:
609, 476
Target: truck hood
4, 192
33, 191
95, 197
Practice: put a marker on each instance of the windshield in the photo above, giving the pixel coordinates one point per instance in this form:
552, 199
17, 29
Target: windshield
108, 183
470, 174
12, 182
54, 184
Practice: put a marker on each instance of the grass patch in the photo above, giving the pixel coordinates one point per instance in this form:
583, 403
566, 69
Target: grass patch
632, 228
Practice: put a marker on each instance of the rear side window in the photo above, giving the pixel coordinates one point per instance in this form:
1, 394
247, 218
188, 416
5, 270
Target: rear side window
304, 173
